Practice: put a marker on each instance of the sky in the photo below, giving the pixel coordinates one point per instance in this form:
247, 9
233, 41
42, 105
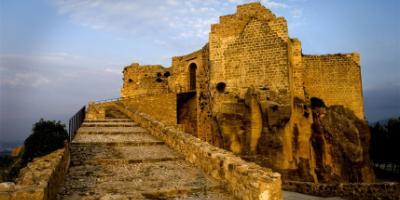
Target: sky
56, 55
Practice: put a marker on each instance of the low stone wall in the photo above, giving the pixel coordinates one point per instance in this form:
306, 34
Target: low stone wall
243, 179
365, 191
161, 106
40, 179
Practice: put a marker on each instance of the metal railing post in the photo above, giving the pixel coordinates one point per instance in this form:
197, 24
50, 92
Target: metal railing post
75, 122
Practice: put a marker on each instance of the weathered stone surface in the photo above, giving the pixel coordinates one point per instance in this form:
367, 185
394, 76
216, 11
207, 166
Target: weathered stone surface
248, 90
297, 196
115, 138
40, 179
350, 191
132, 169
341, 142
7, 187
242, 179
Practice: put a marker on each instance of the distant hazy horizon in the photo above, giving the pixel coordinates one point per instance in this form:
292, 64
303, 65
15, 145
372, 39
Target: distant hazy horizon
57, 55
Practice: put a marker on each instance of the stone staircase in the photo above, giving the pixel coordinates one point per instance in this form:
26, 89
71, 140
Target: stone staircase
116, 159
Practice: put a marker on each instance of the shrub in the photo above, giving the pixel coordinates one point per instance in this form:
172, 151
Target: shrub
46, 137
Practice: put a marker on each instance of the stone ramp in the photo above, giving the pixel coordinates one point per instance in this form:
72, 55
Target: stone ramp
116, 159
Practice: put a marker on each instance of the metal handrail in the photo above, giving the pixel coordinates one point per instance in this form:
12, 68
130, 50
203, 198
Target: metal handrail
108, 100
115, 99
75, 122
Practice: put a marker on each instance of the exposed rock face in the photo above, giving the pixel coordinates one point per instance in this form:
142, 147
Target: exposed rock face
250, 89
341, 143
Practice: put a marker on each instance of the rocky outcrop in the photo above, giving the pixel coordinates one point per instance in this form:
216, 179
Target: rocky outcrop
341, 143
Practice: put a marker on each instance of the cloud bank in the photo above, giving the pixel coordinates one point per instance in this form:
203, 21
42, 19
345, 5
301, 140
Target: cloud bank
174, 18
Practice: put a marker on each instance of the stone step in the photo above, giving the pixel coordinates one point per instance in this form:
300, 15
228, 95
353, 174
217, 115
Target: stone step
109, 120
127, 143
115, 114
109, 124
190, 194
155, 180
116, 159
77, 162
111, 130
88, 152
215, 194
114, 139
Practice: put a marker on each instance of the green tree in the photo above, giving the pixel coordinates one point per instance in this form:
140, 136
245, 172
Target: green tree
46, 137
385, 141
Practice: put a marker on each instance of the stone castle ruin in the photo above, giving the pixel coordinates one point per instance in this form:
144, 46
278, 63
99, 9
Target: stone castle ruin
252, 91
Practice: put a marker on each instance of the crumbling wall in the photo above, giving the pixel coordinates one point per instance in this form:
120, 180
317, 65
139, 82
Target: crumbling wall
179, 82
206, 123
297, 68
147, 79
336, 79
41, 179
247, 81
249, 49
252, 94
160, 106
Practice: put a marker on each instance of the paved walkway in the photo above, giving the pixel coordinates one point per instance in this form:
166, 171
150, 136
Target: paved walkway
116, 159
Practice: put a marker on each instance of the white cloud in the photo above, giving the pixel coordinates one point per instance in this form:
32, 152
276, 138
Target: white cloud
274, 4
175, 18
25, 80
46, 69
113, 71
49, 57
296, 13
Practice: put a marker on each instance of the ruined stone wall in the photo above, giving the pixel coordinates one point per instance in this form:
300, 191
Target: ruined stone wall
252, 94
179, 82
336, 79
242, 179
160, 106
41, 179
297, 69
250, 49
249, 58
205, 121
147, 79
351, 191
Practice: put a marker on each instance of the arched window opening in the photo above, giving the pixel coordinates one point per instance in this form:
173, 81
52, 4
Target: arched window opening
192, 77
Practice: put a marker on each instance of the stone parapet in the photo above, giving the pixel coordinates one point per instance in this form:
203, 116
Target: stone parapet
243, 179
40, 179
351, 191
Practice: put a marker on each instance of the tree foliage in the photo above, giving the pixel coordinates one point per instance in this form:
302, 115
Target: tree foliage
385, 141
46, 137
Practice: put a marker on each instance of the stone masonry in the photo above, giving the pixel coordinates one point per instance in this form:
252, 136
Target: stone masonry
117, 159
252, 91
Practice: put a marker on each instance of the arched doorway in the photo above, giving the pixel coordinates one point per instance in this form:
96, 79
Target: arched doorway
192, 76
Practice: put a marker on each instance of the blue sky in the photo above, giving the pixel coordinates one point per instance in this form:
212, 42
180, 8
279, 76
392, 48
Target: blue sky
57, 55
